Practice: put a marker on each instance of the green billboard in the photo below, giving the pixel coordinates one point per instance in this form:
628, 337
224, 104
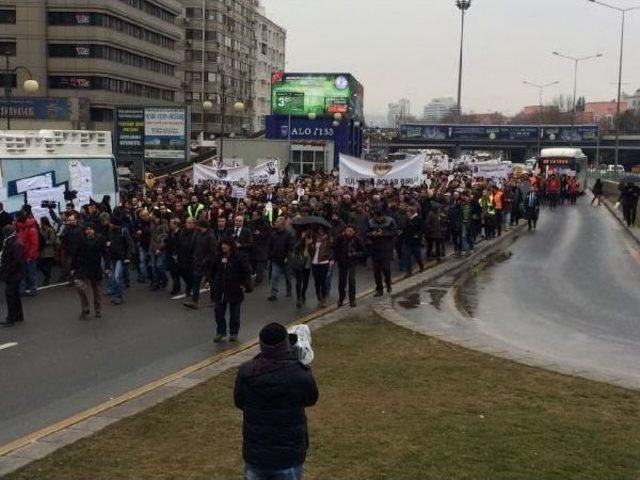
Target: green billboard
322, 94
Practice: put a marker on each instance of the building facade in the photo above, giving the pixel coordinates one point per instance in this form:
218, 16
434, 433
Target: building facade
220, 64
98, 55
270, 58
438, 109
397, 112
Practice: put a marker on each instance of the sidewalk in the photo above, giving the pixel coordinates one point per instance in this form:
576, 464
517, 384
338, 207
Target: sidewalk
634, 231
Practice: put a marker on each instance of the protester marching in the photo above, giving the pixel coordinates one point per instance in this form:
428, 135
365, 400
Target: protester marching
226, 232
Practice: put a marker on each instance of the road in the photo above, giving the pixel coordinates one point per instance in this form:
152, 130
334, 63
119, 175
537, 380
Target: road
55, 365
570, 292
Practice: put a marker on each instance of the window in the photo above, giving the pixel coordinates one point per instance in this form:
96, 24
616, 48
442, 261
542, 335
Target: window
64, 82
8, 48
8, 17
152, 9
307, 161
194, 13
101, 114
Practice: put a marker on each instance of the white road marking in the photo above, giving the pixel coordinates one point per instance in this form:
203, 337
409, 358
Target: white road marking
182, 295
4, 346
52, 285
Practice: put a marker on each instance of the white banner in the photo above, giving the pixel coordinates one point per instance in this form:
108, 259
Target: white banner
491, 170
402, 173
267, 173
236, 176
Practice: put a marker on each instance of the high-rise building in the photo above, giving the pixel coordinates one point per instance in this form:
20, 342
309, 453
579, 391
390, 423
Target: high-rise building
270, 58
397, 112
96, 54
439, 108
220, 62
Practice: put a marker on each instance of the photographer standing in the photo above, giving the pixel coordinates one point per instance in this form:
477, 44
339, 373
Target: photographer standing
272, 390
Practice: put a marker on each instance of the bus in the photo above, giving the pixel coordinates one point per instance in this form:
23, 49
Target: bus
564, 161
47, 168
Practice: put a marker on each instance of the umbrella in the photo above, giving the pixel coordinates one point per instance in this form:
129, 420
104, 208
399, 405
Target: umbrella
310, 220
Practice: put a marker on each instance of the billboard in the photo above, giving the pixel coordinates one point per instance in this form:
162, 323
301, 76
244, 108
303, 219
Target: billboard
130, 131
499, 133
36, 108
323, 94
165, 133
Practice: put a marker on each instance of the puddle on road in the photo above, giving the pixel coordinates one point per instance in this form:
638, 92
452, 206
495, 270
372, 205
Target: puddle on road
467, 296
413, 300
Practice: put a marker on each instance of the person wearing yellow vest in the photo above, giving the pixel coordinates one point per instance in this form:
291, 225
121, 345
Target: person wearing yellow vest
194, 208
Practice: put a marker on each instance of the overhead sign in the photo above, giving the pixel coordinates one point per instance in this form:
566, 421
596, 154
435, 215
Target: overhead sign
165, 133
36, 108
491, 170
235, 176
355, 172
323, 94
499, 133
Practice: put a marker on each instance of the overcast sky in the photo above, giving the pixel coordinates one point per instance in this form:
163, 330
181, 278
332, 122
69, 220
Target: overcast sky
409, 48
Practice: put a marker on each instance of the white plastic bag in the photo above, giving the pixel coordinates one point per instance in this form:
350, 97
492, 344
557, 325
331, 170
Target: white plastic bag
302, 346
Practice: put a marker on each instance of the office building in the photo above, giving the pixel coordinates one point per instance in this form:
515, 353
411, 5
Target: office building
397, 112
438, 109
95, 54
270, 58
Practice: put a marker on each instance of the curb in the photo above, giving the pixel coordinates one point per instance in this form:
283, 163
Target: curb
635, 236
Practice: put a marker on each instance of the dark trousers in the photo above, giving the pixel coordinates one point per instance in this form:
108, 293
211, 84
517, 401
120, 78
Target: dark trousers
532, 217
83, 286
411, 252
629, 212
498, 222
234, 318
439, 248
259, 267
45, 265
320, 280
175, 276
347, 273
553, 200
14, 303
186, 275
302, 282
195, 287
382, 268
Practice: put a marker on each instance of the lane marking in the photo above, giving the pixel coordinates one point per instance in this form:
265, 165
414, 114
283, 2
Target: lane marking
182, 295
4, 346
46, 287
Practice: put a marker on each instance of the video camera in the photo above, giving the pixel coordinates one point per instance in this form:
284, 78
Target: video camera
70, 195
48, 204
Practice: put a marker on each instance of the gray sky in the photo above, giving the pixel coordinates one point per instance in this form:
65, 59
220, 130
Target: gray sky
409, 48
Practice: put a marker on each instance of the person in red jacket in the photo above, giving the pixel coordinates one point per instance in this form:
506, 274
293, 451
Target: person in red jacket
553, 188
574, 190
27, 232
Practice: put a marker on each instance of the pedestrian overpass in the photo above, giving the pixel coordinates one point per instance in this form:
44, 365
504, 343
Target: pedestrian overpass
517, 142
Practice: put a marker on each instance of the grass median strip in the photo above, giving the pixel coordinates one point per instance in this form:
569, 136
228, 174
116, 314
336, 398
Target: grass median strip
393, 404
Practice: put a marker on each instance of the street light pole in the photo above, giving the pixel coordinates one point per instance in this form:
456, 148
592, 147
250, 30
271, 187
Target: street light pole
576, 61
223, 111
623, 12
30, 85
540, 89
463, 6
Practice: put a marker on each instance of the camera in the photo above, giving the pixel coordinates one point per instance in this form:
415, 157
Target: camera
70, 195
48, 204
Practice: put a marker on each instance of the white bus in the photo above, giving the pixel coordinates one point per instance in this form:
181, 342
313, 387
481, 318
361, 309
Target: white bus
564, 161
38, 167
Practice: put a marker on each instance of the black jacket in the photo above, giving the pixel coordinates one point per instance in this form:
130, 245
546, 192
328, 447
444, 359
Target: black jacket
71, 238
261, 232
5, 219
629, 195
205, 252
382, 238
412, 233
245, 240
280, 246
184, 248
230, 277
117, 243
272, 391
13, 265
347, 250
88, 259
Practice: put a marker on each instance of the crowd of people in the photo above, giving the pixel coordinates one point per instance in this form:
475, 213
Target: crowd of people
178, 237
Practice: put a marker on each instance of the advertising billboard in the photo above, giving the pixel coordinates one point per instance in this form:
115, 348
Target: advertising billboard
165, 133
36, 108
318, 93
130, 131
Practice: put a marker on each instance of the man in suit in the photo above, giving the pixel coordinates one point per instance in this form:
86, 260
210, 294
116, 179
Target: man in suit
242, 236
532, 208
13, 267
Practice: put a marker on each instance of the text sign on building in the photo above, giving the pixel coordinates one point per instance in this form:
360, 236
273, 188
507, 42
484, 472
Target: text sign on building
130, 131
165, 133
36, 108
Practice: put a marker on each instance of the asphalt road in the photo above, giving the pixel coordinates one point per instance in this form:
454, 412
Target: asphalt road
62, 365
570, 292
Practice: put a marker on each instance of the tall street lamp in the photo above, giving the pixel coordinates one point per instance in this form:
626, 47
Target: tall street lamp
540, 89
30, 85
463, 6
207, 106
576, 61
623, 12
